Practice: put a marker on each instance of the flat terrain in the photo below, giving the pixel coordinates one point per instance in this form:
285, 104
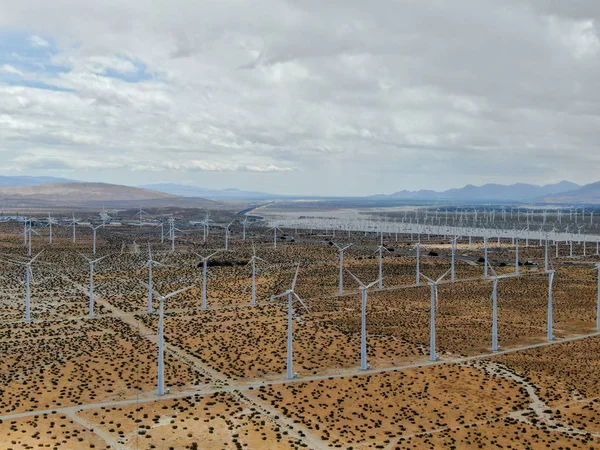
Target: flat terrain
71, 381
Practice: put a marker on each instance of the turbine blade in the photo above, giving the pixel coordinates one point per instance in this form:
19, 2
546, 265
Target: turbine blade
147, 286
301, 301
373, 283
296, 277
442, 277
357, 280
427, 278
285, 294
172, 294
35, 257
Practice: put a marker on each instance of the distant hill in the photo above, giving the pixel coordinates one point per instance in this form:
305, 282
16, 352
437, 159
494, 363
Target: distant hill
31, 181
185, 190
590, 193
92, 195
492, 192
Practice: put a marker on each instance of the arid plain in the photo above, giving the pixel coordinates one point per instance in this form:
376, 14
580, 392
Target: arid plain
70, 381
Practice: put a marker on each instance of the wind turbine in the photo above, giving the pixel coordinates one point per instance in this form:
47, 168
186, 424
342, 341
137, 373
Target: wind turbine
161, 334
290, 294
244, 224
418, 249
485, 253
141, 213
74, 224
204, 260
227, 235
28, 277
29, 230
51, 221
550, 305
150, 264
495, 346
453, 260
94, 230
434, 300
92, 263
275, 228
341, 251
253, 262
380, 250
363, 327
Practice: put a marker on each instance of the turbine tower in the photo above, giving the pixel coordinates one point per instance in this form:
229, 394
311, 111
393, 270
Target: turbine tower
150, 264
434, 300
290, 294
363, 323
550, 306
28, 278
341, 252
92, 264
253, 262
161, 334
94, 230
204, 260
380, 250
227, 235
275, 228
495, 346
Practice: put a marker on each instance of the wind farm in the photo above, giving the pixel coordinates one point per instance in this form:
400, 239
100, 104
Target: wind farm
499, 320
290, 225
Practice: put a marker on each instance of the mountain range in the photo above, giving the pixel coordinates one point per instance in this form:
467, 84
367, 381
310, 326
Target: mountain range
60, 192
489, 192
185, 190
93, 195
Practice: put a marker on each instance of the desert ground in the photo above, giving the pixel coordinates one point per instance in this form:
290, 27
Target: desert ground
74, 381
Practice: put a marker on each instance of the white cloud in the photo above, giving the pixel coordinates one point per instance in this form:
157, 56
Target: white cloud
37, 41
7, 68
305, 98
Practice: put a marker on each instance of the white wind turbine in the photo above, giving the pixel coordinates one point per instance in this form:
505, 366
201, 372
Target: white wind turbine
453, 260
51, 221
341, 253
73, 224
141, 213
227, 235
275, 228
28, 230
418, 249
162, 231
204, 260
380, 250
253, 262
161, 334
92, 263
550, 305
363, 323
150, 264
434, 301
495, 346
28, 278
244, 224
290, 294
485, 253
94, 230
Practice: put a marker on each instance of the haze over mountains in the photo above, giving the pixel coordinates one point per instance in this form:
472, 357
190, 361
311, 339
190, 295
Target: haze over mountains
51, 191
186, 190
491, 192
76, 194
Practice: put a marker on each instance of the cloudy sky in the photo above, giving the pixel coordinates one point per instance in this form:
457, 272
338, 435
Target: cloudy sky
336, 97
